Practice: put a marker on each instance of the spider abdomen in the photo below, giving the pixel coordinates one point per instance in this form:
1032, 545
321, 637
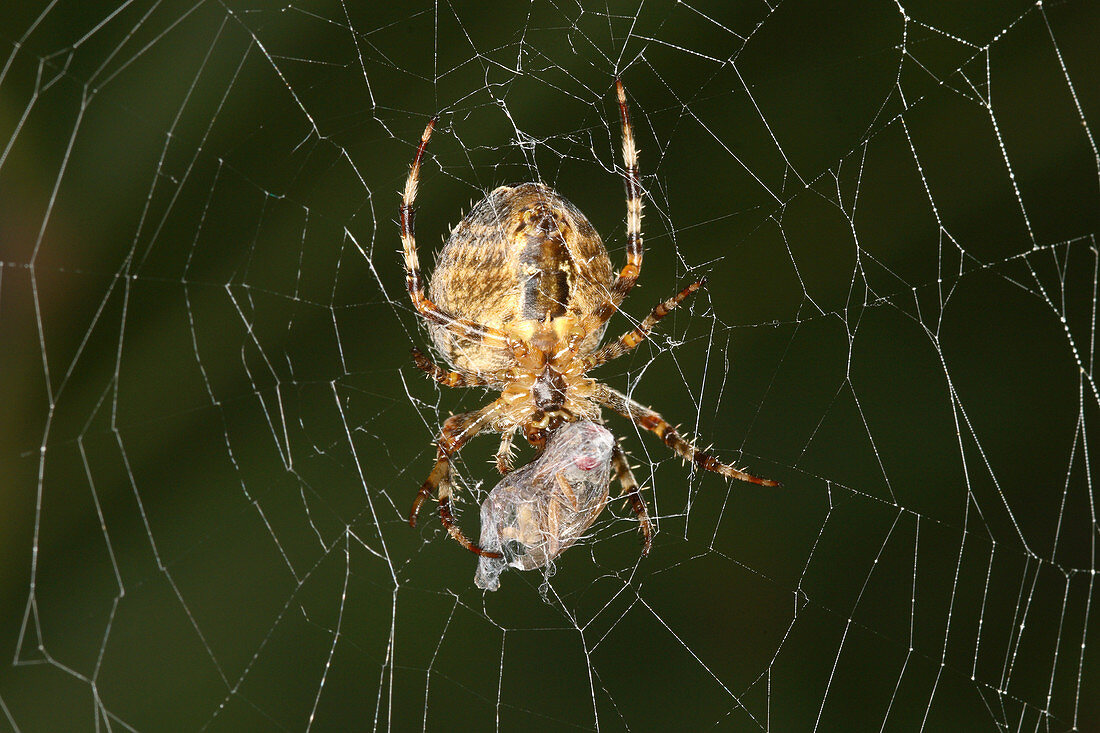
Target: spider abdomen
522, 256
544, 267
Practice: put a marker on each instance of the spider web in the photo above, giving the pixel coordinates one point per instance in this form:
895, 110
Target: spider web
212, 430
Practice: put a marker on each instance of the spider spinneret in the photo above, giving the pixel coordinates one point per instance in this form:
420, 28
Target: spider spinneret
520, 299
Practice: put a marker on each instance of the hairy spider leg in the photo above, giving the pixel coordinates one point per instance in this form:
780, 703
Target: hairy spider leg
504, 452
633, 268
454, 379
634, 495
467, 329
444, 377
457, 431
628, 276
629, 340
650, 420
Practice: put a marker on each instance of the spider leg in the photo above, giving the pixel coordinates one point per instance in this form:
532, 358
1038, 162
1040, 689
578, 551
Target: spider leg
504, 452
444, 377
634, 495
457, 431
633, 268
628, 276
629, 340
433, 313
650, 420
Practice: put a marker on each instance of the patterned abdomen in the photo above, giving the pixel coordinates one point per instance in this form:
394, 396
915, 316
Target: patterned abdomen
523, 254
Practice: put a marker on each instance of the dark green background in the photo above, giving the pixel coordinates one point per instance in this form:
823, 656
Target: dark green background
212, 430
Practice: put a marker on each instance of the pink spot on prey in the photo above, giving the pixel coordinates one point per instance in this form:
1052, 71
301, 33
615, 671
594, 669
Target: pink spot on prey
585, 463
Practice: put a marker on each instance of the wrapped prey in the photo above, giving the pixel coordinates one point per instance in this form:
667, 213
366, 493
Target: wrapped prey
538, 511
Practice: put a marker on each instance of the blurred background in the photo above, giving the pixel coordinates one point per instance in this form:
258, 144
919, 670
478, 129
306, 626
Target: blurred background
212, 430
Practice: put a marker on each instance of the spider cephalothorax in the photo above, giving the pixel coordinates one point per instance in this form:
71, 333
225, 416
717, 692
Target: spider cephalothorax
520, 298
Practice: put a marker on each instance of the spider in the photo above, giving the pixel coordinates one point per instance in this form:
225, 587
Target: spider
520, 299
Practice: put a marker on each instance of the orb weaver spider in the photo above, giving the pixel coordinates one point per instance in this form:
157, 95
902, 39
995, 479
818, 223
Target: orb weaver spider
520, 299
